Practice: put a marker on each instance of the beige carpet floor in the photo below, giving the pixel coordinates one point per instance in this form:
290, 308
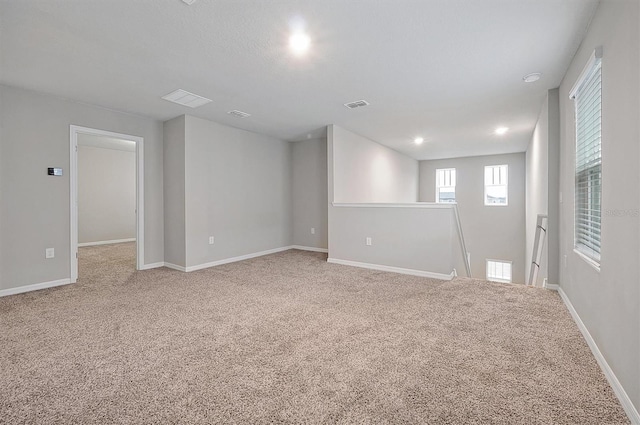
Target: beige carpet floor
289, 338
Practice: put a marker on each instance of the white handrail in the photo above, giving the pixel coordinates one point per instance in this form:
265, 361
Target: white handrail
538, 245
463, 246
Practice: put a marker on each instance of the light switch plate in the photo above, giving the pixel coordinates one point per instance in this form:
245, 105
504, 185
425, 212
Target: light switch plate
49, 253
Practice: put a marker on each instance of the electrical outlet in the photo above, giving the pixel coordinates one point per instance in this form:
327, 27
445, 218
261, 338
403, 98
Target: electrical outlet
211, 240
49, 253
368, 241
313, 230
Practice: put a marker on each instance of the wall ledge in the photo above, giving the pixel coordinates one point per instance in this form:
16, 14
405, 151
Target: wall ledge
428, 205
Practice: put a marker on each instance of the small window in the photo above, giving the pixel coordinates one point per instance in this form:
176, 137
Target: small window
496, 186
446, 185
587, 96
499, 271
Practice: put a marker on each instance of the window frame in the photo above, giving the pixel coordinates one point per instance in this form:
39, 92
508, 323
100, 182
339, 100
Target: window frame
455, 180
588, 174
506, 185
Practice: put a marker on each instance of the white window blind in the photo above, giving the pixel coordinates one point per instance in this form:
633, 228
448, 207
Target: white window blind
496, 185
587, 96
446, 185
499, 271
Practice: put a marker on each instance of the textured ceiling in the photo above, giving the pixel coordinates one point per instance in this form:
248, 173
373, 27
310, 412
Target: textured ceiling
447, 70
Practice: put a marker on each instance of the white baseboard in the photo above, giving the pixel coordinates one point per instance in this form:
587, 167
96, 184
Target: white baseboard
625, 401
309, 248
106, 242
552, 286
392, 269
175, 267
152, 266
234, 259
216, 263
34, 287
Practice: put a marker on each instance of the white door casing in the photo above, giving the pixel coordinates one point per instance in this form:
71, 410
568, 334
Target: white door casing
74, 130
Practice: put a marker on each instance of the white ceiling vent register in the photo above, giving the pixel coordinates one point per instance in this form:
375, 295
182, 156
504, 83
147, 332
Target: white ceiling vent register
184, 98
238, 114
356, 104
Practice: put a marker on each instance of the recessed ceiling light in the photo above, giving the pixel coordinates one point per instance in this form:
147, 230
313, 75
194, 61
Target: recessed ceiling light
501, 130
418, 140
532, 78
299, 43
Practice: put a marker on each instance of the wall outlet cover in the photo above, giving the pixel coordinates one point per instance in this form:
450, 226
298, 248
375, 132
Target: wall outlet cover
49, 253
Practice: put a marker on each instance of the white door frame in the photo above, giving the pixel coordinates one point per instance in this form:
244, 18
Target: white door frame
74, 130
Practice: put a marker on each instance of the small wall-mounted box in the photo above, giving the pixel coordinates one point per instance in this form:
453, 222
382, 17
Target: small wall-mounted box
54, 171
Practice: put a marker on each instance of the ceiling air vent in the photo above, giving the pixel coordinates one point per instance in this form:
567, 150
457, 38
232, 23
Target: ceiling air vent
356, 104
238, 114
184, 98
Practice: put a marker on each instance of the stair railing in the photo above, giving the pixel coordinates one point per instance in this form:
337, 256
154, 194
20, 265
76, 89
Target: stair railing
463, 246
538, 244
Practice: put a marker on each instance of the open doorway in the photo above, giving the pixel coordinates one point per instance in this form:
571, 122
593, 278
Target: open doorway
106, 176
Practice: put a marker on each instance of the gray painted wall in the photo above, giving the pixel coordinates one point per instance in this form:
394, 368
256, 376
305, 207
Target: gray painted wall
2, 155
553, 181
106, 193
238, 189
309, 185
174, 192
406, 237
542, 168
413, 238
608, 301
491, 232
366, 171
34, 213
537, 191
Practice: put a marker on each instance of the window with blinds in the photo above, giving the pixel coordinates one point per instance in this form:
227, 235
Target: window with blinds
446, 185
587, 96
496, 185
